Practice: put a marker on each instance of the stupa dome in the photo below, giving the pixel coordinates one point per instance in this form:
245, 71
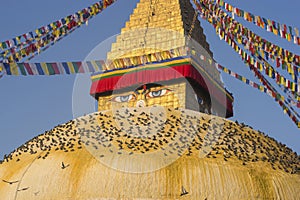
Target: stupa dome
214, 159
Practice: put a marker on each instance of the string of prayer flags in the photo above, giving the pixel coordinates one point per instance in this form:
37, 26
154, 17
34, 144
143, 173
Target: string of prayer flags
292, 113
215, 15
253, 84
266, 67
40, 37
35, 47
290, 97
260, 88
256, 44
243, 79
44, 68
287, 32
80, 16
255, 66
284, 105
33, 54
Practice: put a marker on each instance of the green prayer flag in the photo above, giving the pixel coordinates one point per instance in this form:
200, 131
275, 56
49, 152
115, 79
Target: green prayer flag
22, 69
4, 45
50, 69
76, 67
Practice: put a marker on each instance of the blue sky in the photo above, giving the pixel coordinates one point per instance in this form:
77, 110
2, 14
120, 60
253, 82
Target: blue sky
32, 105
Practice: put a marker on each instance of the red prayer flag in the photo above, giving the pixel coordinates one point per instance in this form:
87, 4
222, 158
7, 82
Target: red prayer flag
55, 68
277, 62
80, 67
28, 68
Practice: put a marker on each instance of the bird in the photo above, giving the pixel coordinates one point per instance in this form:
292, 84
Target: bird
63, 166
10, 182
23, 189
183, 191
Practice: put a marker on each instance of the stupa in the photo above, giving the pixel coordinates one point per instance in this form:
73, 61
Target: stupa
160, 131
167, 36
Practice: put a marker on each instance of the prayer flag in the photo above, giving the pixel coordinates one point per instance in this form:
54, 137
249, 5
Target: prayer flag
50, 69
22, 69
14, 69
45, 68
28, 68
66, 67
39, 69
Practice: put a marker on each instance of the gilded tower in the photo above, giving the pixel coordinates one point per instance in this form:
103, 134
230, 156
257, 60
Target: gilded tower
158, 26
160, 48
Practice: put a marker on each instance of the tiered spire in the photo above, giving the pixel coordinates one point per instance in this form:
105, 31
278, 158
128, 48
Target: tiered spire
158, 25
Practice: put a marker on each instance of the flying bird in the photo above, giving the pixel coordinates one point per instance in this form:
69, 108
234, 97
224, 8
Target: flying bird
183, 191
10, 182
63, 166
23, 189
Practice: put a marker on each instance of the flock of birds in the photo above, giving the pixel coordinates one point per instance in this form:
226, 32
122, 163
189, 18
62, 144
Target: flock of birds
173, 131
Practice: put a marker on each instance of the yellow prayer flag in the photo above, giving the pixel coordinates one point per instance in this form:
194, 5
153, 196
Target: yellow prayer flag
45, 68
18, 55
260, 67
239, 40
262, 53
286, 59
71, 67
252, 61
96, 67
53, 26
297, 32
18, 39
209, 20
293, 86
261, 88
282, 80
14, 69
269, 22
289, 37
262, 24
193, 52
270, 72
23, 52
284, 110
10, 58
289, 68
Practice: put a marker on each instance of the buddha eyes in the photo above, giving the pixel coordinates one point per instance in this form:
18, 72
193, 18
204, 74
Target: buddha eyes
157, 93
129, 97
122, 99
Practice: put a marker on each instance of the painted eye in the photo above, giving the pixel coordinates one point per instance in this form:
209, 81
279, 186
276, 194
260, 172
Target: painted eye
200, 100
122, 99
158, 93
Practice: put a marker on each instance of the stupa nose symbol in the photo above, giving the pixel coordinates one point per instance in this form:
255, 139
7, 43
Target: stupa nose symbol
140, 103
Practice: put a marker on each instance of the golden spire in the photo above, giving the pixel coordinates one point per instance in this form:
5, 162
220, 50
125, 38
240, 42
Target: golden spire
158, 25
